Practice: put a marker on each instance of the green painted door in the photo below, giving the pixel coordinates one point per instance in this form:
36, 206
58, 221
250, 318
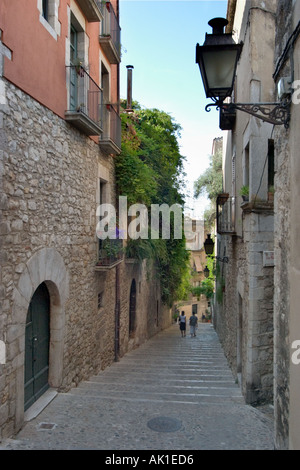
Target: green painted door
37, 337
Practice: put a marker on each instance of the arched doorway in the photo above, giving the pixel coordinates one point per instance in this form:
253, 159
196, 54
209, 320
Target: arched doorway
37, 339
132, 307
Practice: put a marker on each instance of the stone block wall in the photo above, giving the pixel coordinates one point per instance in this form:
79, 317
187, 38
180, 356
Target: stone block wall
259, 237
226, 309
244, 317
282, 239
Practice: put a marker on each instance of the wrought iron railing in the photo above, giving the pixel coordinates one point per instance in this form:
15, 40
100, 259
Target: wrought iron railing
110, 24
110, 251
225, 214
111, 125
85, 94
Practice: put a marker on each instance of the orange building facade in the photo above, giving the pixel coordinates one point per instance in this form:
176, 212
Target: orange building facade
41, 42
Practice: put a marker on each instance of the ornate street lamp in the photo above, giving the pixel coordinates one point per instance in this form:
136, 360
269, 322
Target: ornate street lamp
217, 60
206, 272
209, 245
209, 249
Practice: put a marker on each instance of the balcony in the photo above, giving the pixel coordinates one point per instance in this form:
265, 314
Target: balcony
110, 35
225, 214
91, 10
110, 140
85, 100
110, 254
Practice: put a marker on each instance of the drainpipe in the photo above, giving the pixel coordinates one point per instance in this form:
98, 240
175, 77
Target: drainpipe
129, 88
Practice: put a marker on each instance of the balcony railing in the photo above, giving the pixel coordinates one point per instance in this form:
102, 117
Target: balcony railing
110, 36
85, 101
110, 253
225, 214
110, 140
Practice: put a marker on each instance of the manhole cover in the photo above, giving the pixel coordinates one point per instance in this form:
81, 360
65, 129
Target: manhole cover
46, 426
164, 424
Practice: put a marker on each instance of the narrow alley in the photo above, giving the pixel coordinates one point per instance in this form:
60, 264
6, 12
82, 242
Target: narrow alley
171, 393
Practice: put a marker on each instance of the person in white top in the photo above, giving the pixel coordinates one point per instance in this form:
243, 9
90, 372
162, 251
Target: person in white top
182, 324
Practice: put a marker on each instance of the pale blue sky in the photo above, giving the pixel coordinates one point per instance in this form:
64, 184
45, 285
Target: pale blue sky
159, 38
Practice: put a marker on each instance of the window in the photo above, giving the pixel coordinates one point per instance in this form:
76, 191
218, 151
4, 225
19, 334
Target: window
45, 9
246, 167
100, 300
73, 45
102, 200
49, 16
270, 163
73, 76
105, 83
78, 79
132, 307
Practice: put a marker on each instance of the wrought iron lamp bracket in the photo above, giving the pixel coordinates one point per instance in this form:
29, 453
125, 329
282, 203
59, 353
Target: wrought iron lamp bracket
275, 113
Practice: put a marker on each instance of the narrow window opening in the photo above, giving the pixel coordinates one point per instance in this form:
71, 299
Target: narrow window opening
45, 9
246, 167
271, 163
100, 300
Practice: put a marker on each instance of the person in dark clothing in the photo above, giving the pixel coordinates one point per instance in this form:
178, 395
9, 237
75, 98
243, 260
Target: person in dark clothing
193, 324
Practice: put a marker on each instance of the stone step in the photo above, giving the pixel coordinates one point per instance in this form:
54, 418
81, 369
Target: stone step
160, 379
157, 384
184, 398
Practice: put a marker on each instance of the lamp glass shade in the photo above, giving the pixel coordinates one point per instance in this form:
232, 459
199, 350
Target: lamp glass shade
220, 68
209, 245
206, 271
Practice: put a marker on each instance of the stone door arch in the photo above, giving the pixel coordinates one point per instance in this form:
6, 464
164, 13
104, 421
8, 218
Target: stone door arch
48, 267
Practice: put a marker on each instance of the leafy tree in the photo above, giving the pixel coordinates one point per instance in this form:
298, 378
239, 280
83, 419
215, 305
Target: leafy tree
211, 183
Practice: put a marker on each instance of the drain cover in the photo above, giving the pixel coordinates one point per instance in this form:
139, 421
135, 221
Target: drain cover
164, 424
46, 426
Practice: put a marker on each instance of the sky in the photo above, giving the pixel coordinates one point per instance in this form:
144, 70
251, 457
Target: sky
159, 38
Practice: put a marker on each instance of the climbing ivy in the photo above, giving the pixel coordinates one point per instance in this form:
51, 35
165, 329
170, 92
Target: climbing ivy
149, 170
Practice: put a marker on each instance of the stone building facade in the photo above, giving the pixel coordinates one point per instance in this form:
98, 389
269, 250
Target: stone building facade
245, 238
65, 313
286, 279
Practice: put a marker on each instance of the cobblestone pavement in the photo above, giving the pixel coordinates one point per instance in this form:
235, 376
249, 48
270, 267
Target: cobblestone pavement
171, 393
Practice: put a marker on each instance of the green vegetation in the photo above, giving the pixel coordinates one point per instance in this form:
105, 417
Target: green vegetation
149, 170
244, 191
207, 285
211, 183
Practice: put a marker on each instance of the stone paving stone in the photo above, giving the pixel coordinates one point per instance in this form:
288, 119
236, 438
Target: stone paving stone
172, 393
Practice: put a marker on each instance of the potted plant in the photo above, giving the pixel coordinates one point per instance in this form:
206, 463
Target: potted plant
244, 192
78, 64
222, 198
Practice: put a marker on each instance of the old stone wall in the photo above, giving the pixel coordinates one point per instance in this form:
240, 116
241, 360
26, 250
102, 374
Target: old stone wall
226, 302
282, 242
259, 237
244, 307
